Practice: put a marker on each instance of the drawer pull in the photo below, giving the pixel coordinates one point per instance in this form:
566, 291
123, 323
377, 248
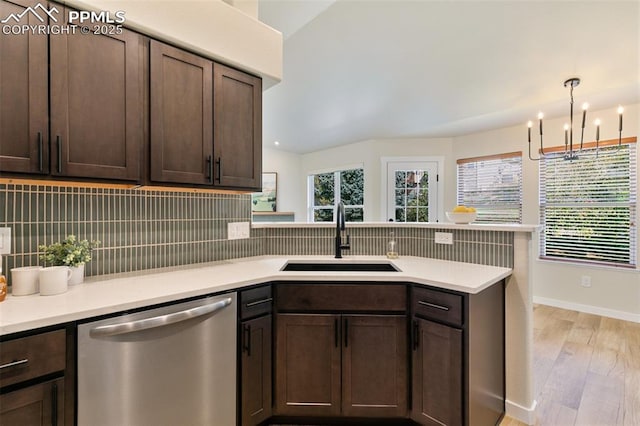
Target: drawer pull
258, 302
433, 305
14, 364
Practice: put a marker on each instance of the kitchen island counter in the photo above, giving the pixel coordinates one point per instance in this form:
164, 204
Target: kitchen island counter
116, 293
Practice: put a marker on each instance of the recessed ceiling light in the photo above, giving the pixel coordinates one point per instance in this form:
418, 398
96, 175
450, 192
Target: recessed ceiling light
276, 143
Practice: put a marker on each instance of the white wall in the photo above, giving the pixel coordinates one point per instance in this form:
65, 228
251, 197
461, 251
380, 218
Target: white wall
614, 292
291, 185
369, 154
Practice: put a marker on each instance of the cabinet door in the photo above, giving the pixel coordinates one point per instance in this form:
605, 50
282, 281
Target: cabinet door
437, 374
237, 126
308, 365
41, 404
256, 370
97, 109
181, 102
23, 95
374, 360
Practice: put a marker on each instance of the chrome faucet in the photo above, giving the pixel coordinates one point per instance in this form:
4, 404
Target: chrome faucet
340, 227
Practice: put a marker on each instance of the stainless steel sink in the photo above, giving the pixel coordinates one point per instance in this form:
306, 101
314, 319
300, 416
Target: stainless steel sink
340, 266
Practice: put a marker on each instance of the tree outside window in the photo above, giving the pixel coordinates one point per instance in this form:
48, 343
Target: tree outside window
331, 188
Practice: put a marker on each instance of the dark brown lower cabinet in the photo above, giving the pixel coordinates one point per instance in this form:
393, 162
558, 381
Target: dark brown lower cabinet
41, 404
374, 366
341, 365
256, 370
308, 352
437, 374
458, 356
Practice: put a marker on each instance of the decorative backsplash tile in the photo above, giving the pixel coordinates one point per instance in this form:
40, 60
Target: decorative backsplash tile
484, 247
141, 229
137, 229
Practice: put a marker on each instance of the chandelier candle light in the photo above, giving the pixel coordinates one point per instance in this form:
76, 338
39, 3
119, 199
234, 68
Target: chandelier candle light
569, 153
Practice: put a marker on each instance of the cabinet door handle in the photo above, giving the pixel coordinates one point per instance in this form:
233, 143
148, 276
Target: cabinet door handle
210, 169
219, 164
416, 335
433, 305
54, 404
346, 332
247, 339
336, 330
40, 159
14, 363
59, 151
258, 302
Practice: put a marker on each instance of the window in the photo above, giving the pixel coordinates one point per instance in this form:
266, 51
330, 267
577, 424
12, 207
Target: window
493, 185
411, 191
331, 188
588, 206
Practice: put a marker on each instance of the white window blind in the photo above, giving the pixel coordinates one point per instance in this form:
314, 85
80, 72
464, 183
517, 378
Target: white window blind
493, 185
588, 206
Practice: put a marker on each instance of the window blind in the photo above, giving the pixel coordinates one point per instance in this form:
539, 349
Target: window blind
493, 185
588, 206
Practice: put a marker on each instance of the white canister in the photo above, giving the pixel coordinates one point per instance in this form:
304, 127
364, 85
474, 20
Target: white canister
54, 280
25, 280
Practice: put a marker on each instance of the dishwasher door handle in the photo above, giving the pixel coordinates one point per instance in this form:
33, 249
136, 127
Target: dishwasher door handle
159, 321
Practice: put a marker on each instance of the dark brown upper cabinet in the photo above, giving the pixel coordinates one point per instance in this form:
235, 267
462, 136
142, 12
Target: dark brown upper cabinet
97, 107
237, 125
206, 122
181, 101
24, 113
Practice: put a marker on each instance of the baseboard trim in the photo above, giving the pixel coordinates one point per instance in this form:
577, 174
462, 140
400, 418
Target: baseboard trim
523, 414
611, 313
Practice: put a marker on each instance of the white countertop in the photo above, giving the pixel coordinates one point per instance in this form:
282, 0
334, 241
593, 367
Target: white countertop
106, 295
508, 227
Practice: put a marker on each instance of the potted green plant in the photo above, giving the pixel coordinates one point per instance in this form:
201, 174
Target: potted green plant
71, 252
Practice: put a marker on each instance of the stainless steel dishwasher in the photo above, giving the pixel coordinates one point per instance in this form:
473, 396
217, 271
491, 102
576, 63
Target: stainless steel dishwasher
174, 365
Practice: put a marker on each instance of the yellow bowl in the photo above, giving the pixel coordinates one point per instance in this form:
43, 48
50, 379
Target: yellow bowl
462, 217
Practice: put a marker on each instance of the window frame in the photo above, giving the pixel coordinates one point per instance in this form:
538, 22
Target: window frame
556, 154
484, 211
311, 207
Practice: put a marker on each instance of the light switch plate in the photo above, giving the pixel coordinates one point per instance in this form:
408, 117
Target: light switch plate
5, 240
444, 238
238, 230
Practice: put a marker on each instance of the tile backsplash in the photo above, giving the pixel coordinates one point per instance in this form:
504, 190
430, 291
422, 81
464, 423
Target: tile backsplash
144, 229
138, 229
485, 247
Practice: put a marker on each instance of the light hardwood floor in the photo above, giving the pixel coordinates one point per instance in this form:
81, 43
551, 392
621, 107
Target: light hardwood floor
586, 369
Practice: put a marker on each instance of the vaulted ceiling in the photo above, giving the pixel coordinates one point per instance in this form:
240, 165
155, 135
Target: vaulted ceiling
370, 69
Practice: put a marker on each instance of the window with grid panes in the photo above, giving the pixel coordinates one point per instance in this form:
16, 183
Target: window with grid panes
493, 186
588, 206
331, 188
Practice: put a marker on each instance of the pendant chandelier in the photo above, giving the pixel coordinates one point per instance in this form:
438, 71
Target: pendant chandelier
569, 152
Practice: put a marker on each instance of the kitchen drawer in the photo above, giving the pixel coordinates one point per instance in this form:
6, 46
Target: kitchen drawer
33, 356
256, 301
437, 305
341, 297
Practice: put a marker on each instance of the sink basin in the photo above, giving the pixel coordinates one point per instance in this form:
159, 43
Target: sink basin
340, 266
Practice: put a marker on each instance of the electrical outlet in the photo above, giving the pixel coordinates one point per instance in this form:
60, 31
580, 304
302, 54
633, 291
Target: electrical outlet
585, 281
5, 240
243, 229
444, 238
238, 230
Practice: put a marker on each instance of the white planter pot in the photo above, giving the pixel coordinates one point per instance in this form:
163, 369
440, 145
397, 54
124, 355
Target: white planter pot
54, 280
77, 275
